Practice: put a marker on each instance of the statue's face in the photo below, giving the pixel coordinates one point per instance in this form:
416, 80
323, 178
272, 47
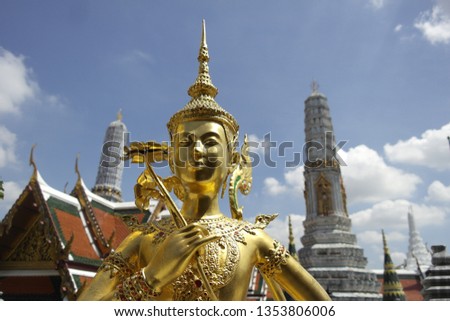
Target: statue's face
201, 154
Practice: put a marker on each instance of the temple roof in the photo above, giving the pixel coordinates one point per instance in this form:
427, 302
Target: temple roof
48, 230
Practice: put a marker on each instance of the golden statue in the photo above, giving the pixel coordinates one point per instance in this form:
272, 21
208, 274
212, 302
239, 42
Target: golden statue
199, 253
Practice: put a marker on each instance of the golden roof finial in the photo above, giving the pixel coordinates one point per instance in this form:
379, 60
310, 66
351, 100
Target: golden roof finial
32, 163
202, 105
119, 114
77, 171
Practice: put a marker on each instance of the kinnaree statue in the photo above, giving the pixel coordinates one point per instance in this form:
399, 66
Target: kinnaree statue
198, 253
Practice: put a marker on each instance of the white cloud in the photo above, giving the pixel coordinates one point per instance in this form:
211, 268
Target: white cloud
394, 214
279, 229
430, 150
7, 147
255, 144
368, 178
395, 236
18, 86
294, 183
374, 241
295, 179
369, 237
435, 23
11, 194
375, 237
398, 258
136, 56
377, 4
273, 186
438, 192
16, 83
398, 28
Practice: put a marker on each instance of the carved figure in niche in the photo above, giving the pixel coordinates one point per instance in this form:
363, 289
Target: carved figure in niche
324, 200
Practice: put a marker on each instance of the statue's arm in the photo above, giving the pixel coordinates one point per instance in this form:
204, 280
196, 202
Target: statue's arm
299, 283
114, 269
275, 262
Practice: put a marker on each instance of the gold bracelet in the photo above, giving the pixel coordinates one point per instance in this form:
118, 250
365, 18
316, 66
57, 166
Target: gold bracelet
117, 265
136, 288
277, 256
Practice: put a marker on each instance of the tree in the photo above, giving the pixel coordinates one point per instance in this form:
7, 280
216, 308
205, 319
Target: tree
1, 189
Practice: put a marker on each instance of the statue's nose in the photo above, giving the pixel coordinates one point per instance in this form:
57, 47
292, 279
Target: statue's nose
199, 150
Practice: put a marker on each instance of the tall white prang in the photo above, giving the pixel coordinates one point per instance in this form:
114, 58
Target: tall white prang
330, 251
110, 169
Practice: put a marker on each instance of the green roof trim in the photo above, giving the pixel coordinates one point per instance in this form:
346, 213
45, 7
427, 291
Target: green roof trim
53, 203
120, 212
77, 280
102, 207
85, 260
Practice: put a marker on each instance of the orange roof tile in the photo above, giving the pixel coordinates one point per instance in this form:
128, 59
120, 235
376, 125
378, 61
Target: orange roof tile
110, 223
412, 289
71, 224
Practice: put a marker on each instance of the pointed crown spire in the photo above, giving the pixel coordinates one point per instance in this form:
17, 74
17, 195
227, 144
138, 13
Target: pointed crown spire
202, 105
203, 84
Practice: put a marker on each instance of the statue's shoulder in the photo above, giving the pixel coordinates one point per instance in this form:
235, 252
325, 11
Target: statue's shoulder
243, 231
165, 224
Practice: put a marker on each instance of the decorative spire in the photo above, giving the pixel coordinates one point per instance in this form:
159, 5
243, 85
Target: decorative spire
314, 87
392, 288
418, 257
292, 249
119, 115
203, 84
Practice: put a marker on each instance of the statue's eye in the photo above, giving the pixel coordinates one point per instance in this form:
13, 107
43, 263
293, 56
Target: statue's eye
185, 141
210, 142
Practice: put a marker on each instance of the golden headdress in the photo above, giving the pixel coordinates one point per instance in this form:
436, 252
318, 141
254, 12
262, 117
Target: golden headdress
202, 105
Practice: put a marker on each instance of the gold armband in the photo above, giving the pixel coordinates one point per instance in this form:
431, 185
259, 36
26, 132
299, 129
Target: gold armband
117, 265
136, 288
277, 256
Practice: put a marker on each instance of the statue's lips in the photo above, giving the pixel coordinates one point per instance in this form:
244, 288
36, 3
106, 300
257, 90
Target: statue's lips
201, 165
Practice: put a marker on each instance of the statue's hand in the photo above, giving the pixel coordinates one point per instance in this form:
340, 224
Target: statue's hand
175, 253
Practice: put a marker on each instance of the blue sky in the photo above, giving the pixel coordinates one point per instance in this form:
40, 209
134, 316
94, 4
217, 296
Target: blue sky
66, 67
